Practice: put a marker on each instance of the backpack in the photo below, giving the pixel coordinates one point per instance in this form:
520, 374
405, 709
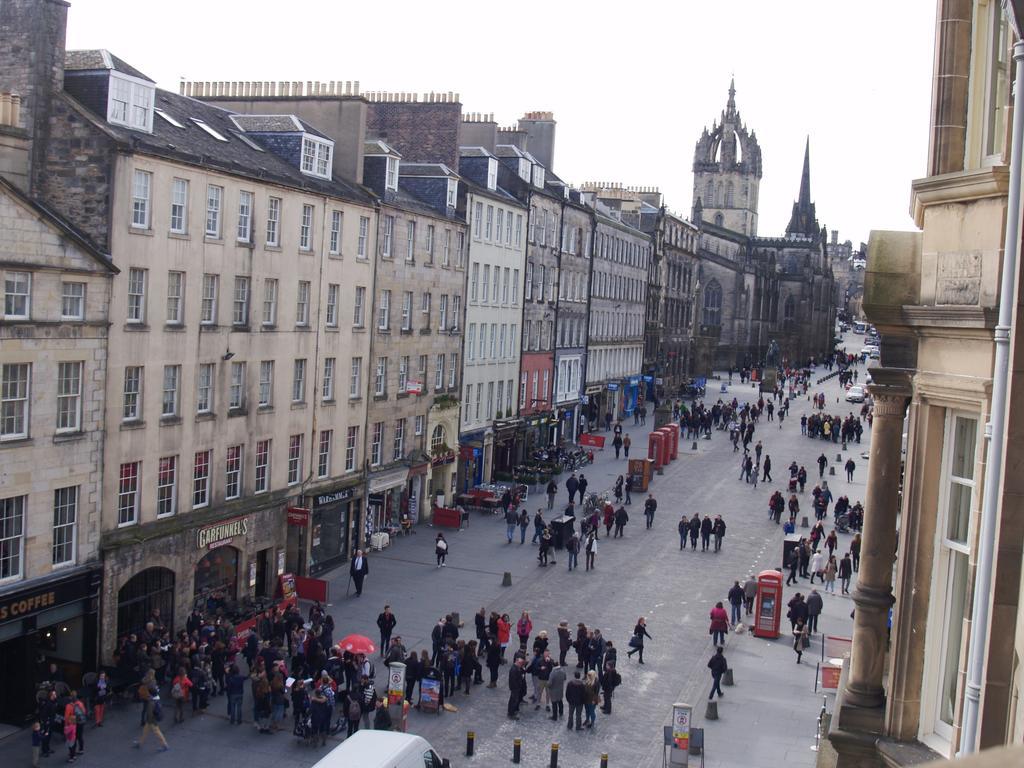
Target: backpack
354, 710
80, 715
177, 692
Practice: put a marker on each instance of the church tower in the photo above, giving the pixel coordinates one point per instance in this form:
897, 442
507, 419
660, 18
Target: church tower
727, 173
803, 222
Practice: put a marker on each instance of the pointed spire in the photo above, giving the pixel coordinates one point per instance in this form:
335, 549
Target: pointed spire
805, 178
730, 105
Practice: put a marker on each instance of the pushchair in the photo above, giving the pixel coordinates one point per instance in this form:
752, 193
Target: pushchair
843, 523
303, 729
792, 484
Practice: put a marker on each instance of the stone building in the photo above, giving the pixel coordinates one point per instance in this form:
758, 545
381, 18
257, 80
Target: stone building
615, 339
753, 289
230, 322
947, 679
494, 315
53, 360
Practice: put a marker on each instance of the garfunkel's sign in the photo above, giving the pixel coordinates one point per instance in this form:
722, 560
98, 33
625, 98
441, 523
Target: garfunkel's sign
222, 532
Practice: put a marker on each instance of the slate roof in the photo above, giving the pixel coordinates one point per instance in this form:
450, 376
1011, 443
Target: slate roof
267, 123
379, 147
509, 150
474, 152
427, 170
85, 61
191, 144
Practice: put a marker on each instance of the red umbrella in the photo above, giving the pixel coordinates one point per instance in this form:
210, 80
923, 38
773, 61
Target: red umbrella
357, 644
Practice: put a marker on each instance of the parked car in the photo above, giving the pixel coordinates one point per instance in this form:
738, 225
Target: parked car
855, 394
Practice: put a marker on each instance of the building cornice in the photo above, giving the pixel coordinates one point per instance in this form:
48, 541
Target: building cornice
958, 187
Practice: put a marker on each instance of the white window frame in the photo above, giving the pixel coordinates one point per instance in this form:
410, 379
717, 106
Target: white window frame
351, 448
204, 388
299, 380
265, 395
270, 301
407, 297
65, 526
274, 222
201, 464
331, 312
214, 209
15, 400
234, 461
131, 402
453, 369
142, 194
170, 401
323, 458
167, 492
208, 300
128, 494
316, 156
243, 231
261, 479
439, 371
391, 173
410, 243
137, 280
376, 444
380, 377
72, 296
359, 307
175, 298
362, 247
302, 304
179, 207
69, 396
306, 228
398, 441
13, 511
384, 311
130, 101
295, 459
355, 380
403, 374
334, 241
240, 305
236, 387
389, 234
327, 385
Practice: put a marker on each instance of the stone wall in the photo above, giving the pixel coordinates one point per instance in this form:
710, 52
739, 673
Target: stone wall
423, 132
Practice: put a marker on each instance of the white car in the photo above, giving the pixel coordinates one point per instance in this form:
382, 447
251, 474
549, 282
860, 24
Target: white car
855, 394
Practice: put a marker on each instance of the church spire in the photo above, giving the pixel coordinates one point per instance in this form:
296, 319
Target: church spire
803, 220
805, 179
730, 106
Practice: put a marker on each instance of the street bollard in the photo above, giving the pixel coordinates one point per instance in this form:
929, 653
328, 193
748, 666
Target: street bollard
604, 760
517, 750
470, 738
804, 523
711, 713
506, 580
839, 457
727, 678
844, 445
554, 755
695, 445
832, 471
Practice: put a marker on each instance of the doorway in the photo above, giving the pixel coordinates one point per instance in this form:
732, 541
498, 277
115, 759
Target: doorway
262, 570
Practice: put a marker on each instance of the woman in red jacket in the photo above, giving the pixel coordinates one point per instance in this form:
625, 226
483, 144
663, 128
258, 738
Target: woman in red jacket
719, 624
504, 632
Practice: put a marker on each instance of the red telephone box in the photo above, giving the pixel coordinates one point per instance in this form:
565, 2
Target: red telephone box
673, 430
768, 604
655, 442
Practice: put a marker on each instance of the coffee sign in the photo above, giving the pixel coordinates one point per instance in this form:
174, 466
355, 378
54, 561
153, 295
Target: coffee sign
221, 533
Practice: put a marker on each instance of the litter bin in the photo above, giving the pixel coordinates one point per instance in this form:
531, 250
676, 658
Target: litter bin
789, 543
562, 530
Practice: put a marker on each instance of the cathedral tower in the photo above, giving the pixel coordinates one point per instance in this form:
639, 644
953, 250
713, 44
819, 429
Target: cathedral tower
727, 173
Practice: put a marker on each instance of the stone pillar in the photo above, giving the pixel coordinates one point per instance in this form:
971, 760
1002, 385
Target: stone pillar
873, 594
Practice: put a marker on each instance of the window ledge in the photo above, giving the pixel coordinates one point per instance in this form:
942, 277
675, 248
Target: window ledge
385, 331
331, 329
170, 421
358, 329
336, 256
268, 327
329, 401
425, 331
233, 412
379, 398
402, 395
206, 416
69, 436
174, 328
178, 236
17, 442
306, 252
265, 409
298, 406
240, 328
213, 240
132, 424
303, 328
270, 247
208, 327
355, 400
135, 327
144, 231
406, 331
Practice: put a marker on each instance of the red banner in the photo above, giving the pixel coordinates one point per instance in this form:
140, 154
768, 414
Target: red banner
597, 441
298, 516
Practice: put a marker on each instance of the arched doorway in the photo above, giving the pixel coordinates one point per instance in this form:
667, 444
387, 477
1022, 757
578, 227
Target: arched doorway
216, 578
146, 591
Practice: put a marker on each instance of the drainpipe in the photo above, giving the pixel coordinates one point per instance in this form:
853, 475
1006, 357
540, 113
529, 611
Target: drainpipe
995, 430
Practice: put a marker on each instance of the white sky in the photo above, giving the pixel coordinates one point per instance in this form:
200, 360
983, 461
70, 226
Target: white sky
631, 85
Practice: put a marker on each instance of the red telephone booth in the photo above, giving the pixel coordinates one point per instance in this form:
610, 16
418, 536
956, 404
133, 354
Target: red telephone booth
768, 604
655, 450
666, 446
673, 430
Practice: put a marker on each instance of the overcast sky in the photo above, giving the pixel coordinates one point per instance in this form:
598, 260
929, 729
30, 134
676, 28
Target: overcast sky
632, 85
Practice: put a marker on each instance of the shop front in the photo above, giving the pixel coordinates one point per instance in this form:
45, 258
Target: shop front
472, 460
332, 527
386, 501
508, 450
443, 467
216, 566
630, 395
53, 620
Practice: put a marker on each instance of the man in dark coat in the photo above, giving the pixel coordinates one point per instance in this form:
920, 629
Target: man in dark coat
582, 487
621, 518
718, 529
822, 463
694, 530
358, 570
718, 665
575, 694
516, 687
386, 622
650, 507
552, 490
736, 597
705, 533
814, 606
571, 485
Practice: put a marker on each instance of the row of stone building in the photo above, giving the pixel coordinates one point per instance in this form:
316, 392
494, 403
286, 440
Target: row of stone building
248, 324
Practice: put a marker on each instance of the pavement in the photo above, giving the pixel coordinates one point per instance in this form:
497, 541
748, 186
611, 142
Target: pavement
773, 705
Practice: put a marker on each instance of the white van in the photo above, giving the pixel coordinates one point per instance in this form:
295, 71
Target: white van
859, 327
382, 749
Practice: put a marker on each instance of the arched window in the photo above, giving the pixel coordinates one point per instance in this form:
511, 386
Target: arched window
719, 220
150, 589
713, 304
789, 313
437, 438
709, 195
728, 195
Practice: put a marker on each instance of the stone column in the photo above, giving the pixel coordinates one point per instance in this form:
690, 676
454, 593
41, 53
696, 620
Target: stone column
873, 593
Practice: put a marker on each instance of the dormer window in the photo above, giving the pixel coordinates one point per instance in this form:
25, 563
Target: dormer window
492, 173
316, 157
130, 102
391, 177
524, 169
453, 193
538, 176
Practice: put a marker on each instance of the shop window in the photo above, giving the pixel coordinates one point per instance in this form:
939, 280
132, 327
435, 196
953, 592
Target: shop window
151, 589
216, 578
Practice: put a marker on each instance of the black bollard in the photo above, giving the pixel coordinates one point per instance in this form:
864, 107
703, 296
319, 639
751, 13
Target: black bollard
470, 738
604, 760
517, 750
554, 755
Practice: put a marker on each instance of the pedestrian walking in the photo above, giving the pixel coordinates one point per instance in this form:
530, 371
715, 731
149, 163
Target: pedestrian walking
767, 469
736, 597
855, 552
511, 521
831, 568
629, 489
850, 466
684, 529
618, 489
749, 593
583, 487
617, 445
718, 666
610, 679
718, 531
523, 629
800, 639
571, 485
149, 695
650, 507
636, 642
627, 441
564, 641
706, 526
590, 549
621, 518
845, 573
575, 696
552, 491
181, 687
719, 624
609, 519
358, 570
822, 463
817, 566
440, 549
572, 548
524, 524
695, 524
814, 608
